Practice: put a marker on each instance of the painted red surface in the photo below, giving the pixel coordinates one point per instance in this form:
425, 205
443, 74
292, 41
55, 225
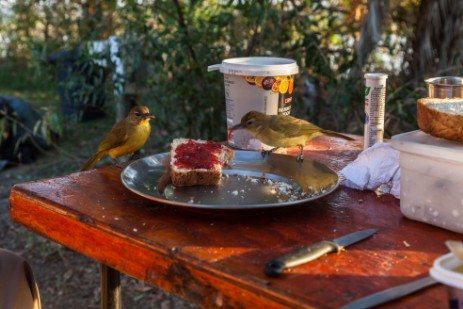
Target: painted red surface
216, 258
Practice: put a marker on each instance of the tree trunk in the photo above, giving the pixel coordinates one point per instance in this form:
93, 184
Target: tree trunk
370, 34
438, 39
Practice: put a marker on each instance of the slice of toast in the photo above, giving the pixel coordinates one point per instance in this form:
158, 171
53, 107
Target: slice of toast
441, 117
197, 162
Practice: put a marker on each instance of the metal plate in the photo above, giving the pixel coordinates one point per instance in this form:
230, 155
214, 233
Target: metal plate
248, 182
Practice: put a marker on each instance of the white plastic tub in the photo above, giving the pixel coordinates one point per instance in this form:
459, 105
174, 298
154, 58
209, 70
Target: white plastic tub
431, 183
448, 270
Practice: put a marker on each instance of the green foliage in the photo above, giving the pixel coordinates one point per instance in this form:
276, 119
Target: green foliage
82, 80
166, 47
182, 39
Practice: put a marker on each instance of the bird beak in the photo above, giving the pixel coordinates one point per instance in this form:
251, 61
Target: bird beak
237, 127
148, 115
230, 131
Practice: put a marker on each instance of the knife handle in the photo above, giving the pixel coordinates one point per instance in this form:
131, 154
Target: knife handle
303, 255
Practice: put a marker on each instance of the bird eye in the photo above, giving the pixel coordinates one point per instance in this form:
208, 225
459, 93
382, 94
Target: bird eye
249, 122
137, 114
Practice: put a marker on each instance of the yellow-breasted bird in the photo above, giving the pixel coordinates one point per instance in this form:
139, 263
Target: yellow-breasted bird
282, 131
126, 136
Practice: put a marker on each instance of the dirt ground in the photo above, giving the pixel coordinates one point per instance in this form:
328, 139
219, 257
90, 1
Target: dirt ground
67, 279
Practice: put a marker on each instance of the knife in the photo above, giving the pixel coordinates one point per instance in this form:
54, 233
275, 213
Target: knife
390, 294
308, 253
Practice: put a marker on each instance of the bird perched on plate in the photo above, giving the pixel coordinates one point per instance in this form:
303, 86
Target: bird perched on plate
282, 131
126, 136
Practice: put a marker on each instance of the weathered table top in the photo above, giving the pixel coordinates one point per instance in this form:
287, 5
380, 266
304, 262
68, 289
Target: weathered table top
216, 258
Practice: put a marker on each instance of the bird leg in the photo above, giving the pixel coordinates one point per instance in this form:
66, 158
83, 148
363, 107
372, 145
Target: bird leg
267, 152
118, 163
134, 156
300, 157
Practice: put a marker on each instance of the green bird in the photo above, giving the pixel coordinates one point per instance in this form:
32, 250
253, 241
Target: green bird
282, 131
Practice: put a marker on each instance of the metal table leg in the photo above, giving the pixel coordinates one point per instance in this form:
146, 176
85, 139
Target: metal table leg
110, 288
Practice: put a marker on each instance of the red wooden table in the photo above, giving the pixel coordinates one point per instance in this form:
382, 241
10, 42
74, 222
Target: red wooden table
216, 258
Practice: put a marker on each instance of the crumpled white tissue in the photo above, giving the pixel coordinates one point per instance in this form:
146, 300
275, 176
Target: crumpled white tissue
376, 168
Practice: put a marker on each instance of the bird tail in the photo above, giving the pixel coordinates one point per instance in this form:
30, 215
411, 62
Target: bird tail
335, 134
92, 161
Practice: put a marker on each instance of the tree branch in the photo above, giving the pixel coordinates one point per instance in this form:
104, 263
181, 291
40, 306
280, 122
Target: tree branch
182, 24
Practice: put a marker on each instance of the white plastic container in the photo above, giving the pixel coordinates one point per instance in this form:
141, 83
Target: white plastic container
263, 84
448, 270
431, 181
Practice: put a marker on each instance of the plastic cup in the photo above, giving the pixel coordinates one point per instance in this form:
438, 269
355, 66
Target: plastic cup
263, 84
375, 100
448, 270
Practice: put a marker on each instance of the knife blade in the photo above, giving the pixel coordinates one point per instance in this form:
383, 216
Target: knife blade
308, 253
390, 294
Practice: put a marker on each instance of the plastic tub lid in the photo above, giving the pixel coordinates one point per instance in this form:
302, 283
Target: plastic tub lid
375, 76
422, 144
443, 271
257, 66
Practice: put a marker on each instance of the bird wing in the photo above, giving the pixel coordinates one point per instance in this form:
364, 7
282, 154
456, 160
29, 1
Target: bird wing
291, 126
336, 134
116, 137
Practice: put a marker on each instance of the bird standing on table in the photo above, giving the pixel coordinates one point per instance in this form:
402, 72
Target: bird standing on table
283, 131
126, 136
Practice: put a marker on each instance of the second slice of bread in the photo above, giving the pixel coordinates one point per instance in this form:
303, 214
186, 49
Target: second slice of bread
441, 117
